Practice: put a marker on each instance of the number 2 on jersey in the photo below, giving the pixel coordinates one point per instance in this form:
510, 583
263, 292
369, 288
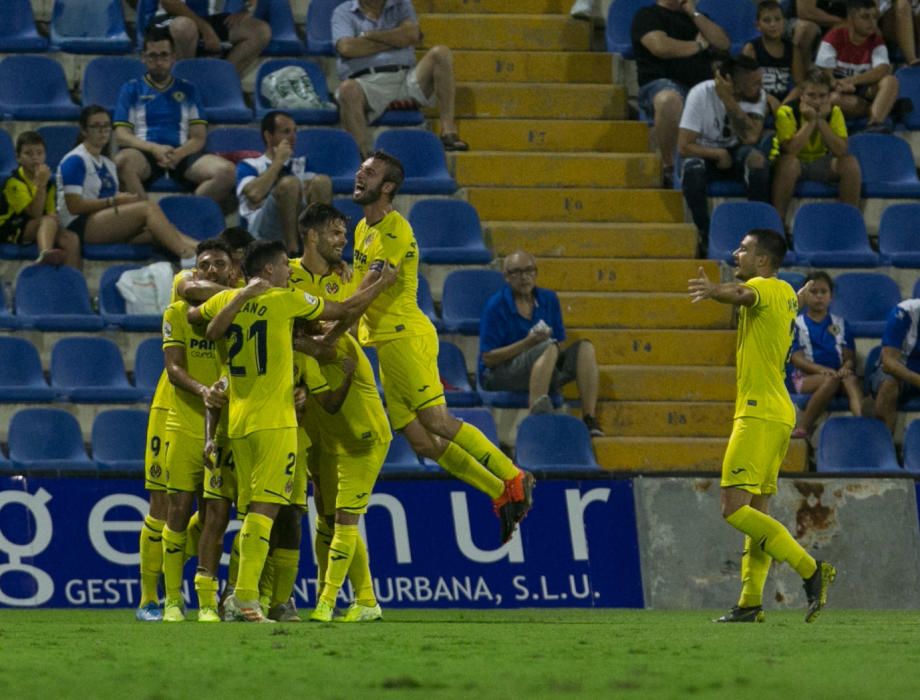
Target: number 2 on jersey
257, 336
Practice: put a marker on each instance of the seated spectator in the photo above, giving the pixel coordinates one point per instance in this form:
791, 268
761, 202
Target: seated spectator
671, 42
197, 28
90, 204
780, 62
160, 129
722, 120
856, 56
811, 144
823, 355
520, 344
896, 377
899, 24
274, 187
27, 207
375, 41
811, 19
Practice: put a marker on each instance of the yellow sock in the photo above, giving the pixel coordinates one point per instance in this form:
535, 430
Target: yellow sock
321, 547
233, 569
173, 561
774, 539
194, 529
267, 579
254, 539
151, 559
755, 565
360, 575
206, 587
341, 551
489, 455
285, 562
461, 464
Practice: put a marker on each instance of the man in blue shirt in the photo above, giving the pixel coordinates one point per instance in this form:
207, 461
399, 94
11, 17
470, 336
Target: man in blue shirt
520, 336
897, 376
160, 128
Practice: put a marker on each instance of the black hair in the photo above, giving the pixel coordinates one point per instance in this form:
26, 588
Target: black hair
394, 170
268, 122
155, 34
857, 5
88, 113
259, 254
768, 5
816, 76
733, 65
820, 275
28, 138
236, 237
213, 244
317, 215
769, 243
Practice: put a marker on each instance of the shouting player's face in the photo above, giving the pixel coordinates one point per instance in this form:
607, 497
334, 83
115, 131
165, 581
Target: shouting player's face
214, 266
745, 257
330, 242
369, 182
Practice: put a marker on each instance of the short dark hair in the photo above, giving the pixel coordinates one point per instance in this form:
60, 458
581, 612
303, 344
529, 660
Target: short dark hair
768, 5
816, 76
820, 275
155, 34
236, 237
857, 5
318, 214
394, 170
268, 122
259, 254
733, 65
769, 243
28, 138
213, 244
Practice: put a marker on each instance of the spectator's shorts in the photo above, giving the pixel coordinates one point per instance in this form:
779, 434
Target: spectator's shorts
648, 91
177, 173
380, 89
819, 170
878, 375
217, 22
514, 375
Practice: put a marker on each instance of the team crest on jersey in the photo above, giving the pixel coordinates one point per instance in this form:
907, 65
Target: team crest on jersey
178, 96
289, 486
833, 329
167, 329
155, 471
216, 482
331, 287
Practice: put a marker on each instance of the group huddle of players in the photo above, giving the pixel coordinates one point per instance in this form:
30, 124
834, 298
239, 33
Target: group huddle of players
264, 386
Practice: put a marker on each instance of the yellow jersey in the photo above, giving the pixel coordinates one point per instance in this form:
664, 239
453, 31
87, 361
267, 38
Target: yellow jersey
260, 357
329, 286
764, 340
395, 312
788, 123
18, 193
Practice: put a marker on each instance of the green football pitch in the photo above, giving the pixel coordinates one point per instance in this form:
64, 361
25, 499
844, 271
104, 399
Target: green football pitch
464, 654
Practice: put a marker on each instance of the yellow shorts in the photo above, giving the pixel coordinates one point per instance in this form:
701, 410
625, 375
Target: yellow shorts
184, 462
265, 463
155, 454
345, 480
755, 451
410, 378
220, 478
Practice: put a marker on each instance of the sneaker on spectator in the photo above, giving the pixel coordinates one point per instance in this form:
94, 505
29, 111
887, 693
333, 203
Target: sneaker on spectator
594, 429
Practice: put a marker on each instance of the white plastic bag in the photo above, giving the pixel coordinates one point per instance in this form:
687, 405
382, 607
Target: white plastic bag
146, 290
290, 88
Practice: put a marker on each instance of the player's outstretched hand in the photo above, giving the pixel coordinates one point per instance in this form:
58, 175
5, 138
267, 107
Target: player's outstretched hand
700, 287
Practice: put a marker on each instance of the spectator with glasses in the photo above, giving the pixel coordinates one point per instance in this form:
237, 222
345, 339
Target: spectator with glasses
520, 344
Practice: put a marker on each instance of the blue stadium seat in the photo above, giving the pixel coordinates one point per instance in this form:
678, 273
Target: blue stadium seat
46, 439
856, 444
355, 213
17, 31
452, 368
732, 220
301, 116
400, 117
318, 27
554, 442
448, 232
795, 279
915, 294
112, 304
401, 459
54, 299
21, 377
103, 78
119, 440
426, 303
887, 165
284, 41
864, 300
422, 156
148, 366
831, 234
911, 447
909, 87
619, 26
465, 294
117, 251
85, 26
33, 88
838, 403
230, 139
198, 217
8, 162
90, 370
59, 139
736, 18
332, 152
146, 9
7, 320
219, 86
899, 235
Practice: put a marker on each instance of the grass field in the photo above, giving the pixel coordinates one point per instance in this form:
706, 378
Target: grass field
464, 654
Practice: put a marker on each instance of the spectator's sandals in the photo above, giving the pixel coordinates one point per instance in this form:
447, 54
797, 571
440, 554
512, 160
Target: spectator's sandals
452, 142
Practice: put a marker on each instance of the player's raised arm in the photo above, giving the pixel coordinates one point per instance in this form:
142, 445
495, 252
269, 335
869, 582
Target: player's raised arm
217, 327
355, 305
701, 287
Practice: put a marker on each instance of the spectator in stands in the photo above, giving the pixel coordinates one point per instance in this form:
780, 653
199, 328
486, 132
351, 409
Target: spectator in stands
722, 120
823, 355
274, 187
896, 377
90, 204
198, 29
779, 60
160, 129
856, 56
520, 344
811, 143
671, 40
375, 41
899, 24
810, 19
27, 207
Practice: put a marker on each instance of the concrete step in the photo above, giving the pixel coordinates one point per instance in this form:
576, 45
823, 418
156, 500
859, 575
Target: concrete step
607, 205
511, 32
641, 310
601, 240
483, 168
531, 66
679, 454
665, 418
526, 7
538, 100
620, 274
663, 383
649, 347
554, 135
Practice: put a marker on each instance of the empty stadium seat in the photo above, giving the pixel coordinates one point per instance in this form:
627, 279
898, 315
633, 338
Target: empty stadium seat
422, 156
89, 26
831, 234
899, 235
911, 447
464, 296
426, 303
231, 141
59, 140
54, 299
8, 162
148, 366
401, 458
103, 78
119, 440
21, 377
284, 41
47, 439
219, 87
619, 24
736, 18
732, 220
17, 31
90, 370
794, 279
480, 418
909, 87
112, 304
887, 165
318, 26
448, 232
332, 152
554, 442
145, 11
198, 217
855, 444
864, 300
456, 380
301, 116
33, 88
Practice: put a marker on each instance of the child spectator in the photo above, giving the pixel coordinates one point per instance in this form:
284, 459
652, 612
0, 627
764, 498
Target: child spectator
822, 355
780, 62
811, 143
27, 207
896, 376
